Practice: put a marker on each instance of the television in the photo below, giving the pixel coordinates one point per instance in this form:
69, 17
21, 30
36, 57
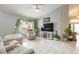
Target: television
48, 27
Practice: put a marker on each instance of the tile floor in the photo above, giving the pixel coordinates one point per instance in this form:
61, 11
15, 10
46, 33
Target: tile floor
44, 46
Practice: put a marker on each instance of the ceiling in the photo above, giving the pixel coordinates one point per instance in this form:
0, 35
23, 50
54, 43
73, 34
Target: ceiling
28, 9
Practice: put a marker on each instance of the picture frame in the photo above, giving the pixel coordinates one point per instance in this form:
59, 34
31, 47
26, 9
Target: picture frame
47, 19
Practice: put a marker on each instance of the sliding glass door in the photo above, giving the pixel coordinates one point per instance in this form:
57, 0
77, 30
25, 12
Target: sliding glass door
75, 28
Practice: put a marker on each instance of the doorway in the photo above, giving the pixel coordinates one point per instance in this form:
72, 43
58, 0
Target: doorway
75, 28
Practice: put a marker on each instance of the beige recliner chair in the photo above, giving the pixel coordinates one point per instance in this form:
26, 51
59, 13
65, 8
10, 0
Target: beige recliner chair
31, 35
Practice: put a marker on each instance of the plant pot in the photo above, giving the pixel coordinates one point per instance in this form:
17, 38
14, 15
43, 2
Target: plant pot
65, 39
56, 39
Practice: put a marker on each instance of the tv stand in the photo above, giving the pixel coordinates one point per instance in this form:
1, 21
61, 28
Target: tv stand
46, 34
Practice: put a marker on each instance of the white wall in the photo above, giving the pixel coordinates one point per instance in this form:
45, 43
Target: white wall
59, 17
7, 23
64, 20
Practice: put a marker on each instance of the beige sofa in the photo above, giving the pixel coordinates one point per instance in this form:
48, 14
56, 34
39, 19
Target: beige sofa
2, 48
12, 46
15, 48
17, 37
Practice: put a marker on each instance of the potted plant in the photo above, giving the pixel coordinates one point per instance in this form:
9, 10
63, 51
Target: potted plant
68, 30
35, 23
56, 36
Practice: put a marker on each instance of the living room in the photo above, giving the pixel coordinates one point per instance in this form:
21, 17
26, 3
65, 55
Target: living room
39, 28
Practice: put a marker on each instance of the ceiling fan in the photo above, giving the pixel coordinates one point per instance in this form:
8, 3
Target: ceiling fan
36, 7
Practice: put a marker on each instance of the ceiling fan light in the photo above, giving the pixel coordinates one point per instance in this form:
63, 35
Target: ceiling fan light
37, 10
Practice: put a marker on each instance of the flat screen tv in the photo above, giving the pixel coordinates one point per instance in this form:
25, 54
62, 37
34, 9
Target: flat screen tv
48, 27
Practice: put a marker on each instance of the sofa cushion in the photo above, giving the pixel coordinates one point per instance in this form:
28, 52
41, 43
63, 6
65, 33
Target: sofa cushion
21, 50
11, 45
11, 37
